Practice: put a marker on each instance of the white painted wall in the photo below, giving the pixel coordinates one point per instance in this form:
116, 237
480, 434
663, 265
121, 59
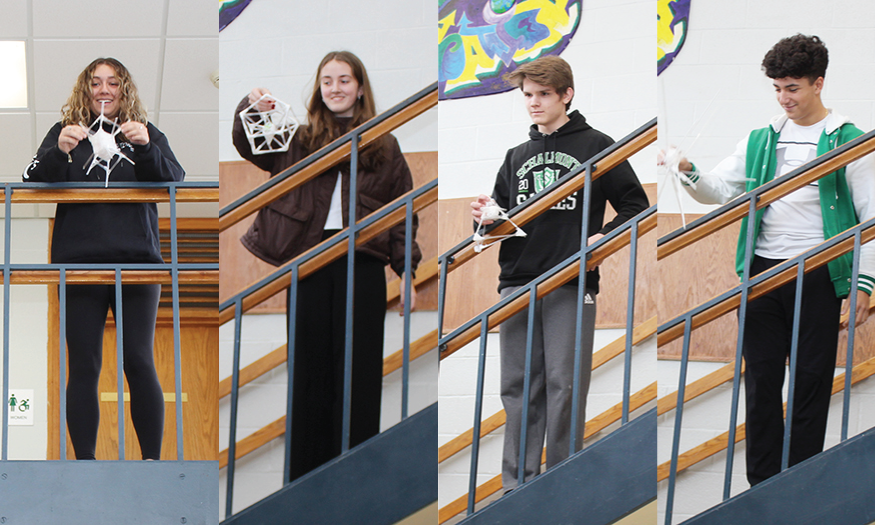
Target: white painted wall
28, 339
278, 44
612, 57
716, 90
701, 487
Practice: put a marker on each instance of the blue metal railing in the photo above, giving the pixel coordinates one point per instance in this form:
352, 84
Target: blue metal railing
349, 236
803, 263
580, 258
173, 268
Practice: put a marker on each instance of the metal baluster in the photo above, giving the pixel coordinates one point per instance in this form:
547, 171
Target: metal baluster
679, 413
350, 295
408, 283
527, 385
235, 397
7, 228
292, 312
739, 346
478, 413
177, 348
852, 328
120, 363
630, 321
585, 255
794, 352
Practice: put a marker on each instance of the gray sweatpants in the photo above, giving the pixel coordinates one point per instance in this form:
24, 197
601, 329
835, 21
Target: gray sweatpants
551, 383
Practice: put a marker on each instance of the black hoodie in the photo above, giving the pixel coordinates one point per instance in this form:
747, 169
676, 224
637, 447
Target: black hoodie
105, 232
555, 235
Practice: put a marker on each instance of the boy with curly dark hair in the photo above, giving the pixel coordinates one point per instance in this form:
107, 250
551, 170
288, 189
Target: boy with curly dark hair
792, 225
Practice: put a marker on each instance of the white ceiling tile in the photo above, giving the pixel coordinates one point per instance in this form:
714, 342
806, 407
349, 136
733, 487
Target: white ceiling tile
193, 18
15, 147
57, 64
193, 137
186, 81
13, 23
106, 18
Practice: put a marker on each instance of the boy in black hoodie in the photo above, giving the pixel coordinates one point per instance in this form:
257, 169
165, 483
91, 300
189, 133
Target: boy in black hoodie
558, 143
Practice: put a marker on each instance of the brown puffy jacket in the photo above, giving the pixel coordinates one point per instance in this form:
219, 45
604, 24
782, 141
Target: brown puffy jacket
294, 223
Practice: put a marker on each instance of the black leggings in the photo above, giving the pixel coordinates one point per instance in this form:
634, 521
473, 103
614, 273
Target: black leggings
317, 412
86, 317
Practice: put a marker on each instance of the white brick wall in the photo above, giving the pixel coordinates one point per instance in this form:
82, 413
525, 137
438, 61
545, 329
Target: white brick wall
716, 89
278, 44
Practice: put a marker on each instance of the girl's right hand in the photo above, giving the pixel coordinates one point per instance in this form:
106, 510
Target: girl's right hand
70, 137
266, 103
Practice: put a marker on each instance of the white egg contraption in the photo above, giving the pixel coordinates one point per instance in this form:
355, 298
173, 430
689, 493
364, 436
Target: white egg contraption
492, 212
106, 152
269, 131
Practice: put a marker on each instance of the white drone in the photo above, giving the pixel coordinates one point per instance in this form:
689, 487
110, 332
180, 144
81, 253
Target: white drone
269, 131
103, 144
492, 211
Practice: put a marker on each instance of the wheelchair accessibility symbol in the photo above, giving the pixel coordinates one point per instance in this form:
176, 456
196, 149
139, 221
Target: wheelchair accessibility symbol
19, 405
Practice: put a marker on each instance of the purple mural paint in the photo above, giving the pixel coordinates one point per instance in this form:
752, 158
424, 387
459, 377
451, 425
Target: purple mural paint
228, 11
482, 40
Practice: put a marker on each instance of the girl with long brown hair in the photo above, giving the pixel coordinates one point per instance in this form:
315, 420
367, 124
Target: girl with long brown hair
341, 100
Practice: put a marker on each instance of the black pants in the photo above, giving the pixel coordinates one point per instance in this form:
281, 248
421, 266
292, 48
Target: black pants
86, 310
317, 410
767, 339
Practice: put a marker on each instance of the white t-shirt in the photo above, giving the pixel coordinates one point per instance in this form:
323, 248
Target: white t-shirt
335, 210
794, 223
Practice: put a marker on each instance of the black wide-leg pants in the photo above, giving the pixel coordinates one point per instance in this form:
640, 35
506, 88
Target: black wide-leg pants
317, 407
86, 310
767, 340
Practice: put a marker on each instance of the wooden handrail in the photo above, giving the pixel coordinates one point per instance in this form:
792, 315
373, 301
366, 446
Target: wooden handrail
495, 421
555, 196
365, 234
279, 356
776, 281
739, 210
719, 443
108, 276
596, 424
563, 276
340, 154
50, 195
